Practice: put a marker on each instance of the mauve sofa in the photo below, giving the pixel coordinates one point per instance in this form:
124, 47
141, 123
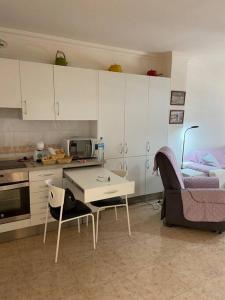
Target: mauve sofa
172, 210
196, 161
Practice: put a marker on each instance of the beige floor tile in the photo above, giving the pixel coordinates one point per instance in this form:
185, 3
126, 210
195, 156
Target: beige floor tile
155, 263
209, 289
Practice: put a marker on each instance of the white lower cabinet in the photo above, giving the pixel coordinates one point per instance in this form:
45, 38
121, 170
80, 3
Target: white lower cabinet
39, 193
136, 172
153, 182
140, 170
114, 164
135, 167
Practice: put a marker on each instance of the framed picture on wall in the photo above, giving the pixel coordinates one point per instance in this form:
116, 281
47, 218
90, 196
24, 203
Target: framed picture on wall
176, 116
177, 98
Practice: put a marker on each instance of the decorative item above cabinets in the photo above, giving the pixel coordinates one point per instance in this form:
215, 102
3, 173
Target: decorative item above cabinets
60, 58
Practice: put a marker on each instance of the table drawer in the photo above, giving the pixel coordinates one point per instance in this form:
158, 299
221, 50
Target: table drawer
39, 197
109, 191
45, 174
102, 192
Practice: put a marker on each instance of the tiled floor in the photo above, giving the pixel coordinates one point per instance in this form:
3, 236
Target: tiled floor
156, 262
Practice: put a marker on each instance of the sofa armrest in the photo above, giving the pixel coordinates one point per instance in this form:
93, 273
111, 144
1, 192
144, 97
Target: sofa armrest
217, 172
201, 182
220, 174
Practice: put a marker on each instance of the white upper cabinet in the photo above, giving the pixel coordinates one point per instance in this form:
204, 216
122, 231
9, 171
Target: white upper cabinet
111, 128
10, 83
136, 115
37, 91
76, 93
159, 98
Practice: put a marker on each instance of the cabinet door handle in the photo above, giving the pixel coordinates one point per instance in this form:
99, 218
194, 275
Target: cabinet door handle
126, 148
125, 166
25, 107
147, 164
57, 103
148, 146
121, 148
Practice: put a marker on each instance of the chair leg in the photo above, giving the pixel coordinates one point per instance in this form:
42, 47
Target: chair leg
87, 221
57, 245
116, 213
128, 217
93, 228
78, 225
46, 224
97, 226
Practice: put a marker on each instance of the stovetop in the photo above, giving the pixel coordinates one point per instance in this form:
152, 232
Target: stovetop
11, 164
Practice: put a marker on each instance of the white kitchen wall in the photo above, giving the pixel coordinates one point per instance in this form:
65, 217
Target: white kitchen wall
42, 48
18, 137
178, 83
205, 103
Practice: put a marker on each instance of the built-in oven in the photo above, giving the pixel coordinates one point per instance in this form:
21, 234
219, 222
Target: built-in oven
14, 196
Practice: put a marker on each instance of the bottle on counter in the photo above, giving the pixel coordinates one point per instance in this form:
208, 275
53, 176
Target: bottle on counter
39, 152
100, 149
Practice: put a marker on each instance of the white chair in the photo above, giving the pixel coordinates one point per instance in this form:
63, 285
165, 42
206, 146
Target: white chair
114, 202
55, 206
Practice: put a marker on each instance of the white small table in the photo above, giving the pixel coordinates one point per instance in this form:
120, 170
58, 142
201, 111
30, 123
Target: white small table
97, 183
192, 173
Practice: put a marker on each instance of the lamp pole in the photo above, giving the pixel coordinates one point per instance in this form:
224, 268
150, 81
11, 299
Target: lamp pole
192, 127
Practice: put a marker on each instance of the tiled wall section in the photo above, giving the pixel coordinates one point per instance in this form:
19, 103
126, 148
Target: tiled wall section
18, 137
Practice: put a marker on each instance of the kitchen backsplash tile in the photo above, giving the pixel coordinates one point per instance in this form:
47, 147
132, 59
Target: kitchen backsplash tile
18, 137
6, 139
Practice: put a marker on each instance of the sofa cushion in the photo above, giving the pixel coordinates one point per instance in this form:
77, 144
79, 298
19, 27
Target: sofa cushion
197, 155
210, 160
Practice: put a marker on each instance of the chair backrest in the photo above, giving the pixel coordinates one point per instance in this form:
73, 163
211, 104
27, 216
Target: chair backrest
56, 195
170, 174
120, 173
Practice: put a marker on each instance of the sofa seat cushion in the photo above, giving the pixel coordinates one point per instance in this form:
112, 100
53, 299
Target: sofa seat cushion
204, 205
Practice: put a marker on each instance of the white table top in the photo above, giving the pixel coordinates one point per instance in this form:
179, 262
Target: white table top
88, 178
94, 183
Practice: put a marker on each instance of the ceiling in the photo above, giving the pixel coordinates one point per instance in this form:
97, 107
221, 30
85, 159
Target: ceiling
146, 25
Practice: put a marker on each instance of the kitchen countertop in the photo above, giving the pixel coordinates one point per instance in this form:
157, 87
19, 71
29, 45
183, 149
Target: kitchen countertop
34, 166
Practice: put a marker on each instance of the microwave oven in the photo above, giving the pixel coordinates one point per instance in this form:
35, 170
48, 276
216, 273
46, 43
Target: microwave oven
80, 148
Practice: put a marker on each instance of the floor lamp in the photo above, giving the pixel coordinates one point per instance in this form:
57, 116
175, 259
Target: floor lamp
192, 127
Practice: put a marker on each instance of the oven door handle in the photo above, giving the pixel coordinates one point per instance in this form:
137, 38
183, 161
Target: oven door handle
13, 186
